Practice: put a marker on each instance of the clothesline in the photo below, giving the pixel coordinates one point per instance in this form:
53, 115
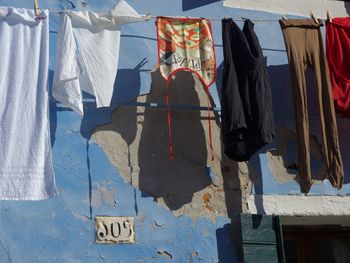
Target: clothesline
151, 105
211, 19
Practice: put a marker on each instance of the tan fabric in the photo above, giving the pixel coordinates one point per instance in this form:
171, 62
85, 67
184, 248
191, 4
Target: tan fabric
305, 49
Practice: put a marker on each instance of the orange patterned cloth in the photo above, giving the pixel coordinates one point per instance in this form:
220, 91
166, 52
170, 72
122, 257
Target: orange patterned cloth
186, 44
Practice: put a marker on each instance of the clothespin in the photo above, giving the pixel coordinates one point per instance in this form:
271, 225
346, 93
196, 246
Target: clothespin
84, 4
329, 18
147, 17
284, 17
36, 8
313, 17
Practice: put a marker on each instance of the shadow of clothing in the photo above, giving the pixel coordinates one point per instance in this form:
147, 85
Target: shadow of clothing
218, 81
347, 7
53, 111
286, 140
233, 201
256, 177
226, 250
127, 87
175, 181
191, 4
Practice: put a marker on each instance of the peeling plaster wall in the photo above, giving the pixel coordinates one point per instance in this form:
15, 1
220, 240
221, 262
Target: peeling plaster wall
114, 160
192, 184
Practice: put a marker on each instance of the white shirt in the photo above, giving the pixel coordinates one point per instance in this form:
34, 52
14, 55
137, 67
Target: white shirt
87, 55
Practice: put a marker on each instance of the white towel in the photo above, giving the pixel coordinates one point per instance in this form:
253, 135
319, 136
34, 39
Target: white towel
87, 55
26, 171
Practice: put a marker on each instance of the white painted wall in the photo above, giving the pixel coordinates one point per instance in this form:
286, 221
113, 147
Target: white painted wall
295, 7
299, 205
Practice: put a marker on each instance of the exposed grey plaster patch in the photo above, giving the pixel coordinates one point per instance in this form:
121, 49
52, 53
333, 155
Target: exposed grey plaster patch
75, 214
9, 258
102, 195
278, 169
108, 196
136, 142
96, 199
78, 216
283, 161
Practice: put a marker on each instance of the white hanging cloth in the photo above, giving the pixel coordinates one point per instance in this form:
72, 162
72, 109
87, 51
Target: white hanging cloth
26, 171
87, 55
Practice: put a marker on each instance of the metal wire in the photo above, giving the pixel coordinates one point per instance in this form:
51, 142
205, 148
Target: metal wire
211, 19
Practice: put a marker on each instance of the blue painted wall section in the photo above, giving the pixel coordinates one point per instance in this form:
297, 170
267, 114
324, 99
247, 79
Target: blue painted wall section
62, 229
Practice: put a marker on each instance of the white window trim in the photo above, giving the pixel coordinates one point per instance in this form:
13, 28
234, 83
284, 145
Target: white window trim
293, 205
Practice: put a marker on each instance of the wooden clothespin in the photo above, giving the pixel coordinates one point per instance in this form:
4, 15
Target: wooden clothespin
313, 17
36, 8
329, 18
284, 17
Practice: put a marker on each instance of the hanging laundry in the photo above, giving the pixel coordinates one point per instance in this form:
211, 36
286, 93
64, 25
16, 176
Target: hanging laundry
26, 171
304, 45
338, 56
87, 55
186, 44
246, 107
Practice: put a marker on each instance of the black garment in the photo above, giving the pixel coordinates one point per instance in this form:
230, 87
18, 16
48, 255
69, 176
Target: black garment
246, 108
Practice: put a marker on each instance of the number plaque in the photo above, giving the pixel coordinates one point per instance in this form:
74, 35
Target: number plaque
111, 230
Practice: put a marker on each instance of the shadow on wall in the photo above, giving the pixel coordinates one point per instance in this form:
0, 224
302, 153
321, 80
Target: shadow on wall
232, 185
191, 4
175, 181
127, 87
286, 141
53, 111
225, 246
347, 7
136, 141
178, 180
128, 83
230, 169
219, 74
282, 100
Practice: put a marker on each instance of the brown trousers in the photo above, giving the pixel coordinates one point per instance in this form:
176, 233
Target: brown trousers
305, 49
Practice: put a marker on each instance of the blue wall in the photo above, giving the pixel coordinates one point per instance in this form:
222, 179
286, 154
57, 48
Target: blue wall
62, 229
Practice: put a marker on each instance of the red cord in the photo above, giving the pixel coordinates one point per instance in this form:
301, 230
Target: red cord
209, 124
171, 156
